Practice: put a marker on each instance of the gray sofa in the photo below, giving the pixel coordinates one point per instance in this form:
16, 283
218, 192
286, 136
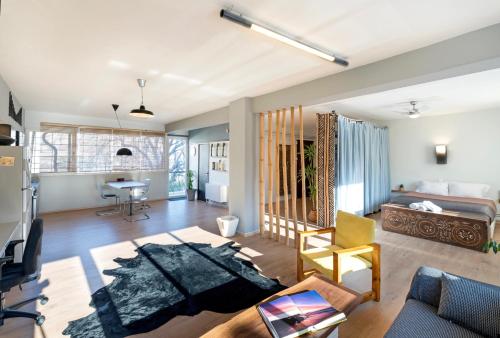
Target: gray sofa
444, 305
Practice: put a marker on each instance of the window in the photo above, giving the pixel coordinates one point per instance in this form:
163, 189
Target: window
177, 160
53, 149
59, 148
94, 150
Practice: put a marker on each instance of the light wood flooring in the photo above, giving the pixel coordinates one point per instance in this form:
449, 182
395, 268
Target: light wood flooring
78, 246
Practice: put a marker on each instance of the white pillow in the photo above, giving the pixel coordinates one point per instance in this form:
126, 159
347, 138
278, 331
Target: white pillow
476, 190
435, 188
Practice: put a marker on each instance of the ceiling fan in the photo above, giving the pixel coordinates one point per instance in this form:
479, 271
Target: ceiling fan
413, 112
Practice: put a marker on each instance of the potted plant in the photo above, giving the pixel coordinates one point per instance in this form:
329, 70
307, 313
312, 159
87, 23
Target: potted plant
310, 173
492, 245
190, 192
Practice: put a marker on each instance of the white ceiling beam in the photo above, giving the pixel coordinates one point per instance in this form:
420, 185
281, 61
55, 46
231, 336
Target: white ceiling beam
465, 54
469, 53
208, 119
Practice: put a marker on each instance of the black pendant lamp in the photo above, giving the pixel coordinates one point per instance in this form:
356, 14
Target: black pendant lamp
121, 151
142, 112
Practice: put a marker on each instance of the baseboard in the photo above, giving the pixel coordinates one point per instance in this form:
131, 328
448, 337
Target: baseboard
89, 208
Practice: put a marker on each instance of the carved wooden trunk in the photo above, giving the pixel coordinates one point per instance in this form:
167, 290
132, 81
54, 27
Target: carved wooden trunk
468, 230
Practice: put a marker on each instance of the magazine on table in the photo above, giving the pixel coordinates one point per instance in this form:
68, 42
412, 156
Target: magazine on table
297, 314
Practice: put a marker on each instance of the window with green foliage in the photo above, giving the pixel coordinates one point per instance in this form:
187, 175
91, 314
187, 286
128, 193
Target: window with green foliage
177, 162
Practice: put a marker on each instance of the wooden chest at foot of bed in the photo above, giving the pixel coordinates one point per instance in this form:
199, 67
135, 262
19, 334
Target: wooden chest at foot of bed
468, 230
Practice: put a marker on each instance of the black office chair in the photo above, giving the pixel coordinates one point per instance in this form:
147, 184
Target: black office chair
12, 274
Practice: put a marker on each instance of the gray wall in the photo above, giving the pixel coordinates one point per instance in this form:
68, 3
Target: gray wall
471, 139
209, 134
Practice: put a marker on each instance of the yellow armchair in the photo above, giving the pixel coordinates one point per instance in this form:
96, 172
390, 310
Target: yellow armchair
352, 249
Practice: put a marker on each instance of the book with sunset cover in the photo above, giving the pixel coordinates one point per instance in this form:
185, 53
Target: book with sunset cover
294, 315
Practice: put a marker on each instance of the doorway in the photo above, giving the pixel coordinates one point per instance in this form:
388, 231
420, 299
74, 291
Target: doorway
203, 172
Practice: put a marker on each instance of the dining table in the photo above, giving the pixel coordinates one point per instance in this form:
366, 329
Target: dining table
130, 185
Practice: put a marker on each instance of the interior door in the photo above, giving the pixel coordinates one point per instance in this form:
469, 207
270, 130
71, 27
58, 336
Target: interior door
203, 164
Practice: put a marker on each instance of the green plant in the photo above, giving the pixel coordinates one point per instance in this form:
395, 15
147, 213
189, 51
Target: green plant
310, 172
492, 245
190, 178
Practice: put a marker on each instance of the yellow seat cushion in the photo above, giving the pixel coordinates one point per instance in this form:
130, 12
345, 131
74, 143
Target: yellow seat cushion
322, 260
353, 230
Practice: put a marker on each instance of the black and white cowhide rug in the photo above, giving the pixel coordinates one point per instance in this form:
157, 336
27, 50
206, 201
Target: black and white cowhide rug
164, 281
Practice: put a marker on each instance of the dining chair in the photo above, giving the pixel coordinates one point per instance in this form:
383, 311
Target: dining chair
139, 198
107, 194
145, 190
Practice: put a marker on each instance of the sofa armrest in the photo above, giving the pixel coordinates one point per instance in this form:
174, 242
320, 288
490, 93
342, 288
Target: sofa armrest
426, 286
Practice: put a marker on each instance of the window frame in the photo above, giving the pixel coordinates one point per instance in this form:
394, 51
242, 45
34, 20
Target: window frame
77, 133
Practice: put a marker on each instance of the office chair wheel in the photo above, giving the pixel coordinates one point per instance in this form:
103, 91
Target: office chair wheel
44, 300
39, 320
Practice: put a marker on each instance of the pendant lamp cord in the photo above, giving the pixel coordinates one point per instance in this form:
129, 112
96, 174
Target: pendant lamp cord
142, 96
117, 119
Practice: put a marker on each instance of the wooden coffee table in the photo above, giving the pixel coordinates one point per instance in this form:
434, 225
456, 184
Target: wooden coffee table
250, 324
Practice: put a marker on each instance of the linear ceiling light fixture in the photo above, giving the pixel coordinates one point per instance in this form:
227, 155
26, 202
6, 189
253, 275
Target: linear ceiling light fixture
245, 22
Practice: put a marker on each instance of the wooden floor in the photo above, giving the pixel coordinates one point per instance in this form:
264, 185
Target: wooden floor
78, 246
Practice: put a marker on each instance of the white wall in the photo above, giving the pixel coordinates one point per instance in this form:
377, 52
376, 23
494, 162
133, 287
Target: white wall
60, 192
473, 151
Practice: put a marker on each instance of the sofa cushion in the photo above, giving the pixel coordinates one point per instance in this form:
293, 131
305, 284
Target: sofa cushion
426, 286
419, 320
471, 304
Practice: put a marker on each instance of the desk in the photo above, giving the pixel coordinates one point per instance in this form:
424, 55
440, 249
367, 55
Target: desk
131, 185
250, 324
7, 231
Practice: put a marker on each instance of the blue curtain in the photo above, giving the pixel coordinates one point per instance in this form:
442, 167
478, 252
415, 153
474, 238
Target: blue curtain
363, 178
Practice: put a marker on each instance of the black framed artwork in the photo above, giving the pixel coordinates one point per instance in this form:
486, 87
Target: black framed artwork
18, 117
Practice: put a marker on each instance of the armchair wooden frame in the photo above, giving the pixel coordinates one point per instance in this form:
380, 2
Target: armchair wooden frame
373, 248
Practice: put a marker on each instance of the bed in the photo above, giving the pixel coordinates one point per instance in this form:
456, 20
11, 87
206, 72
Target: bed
465, 221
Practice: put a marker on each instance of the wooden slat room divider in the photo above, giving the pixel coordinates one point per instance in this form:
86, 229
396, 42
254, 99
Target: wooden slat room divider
282, 171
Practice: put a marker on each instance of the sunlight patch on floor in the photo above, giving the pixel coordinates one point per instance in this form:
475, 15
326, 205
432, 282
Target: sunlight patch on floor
103, 257
75, 280
250, 252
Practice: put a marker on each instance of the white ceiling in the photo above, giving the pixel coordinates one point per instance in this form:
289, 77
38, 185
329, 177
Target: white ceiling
470, 93
78, 57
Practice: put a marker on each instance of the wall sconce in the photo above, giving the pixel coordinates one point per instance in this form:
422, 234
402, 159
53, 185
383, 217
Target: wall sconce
441, 154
